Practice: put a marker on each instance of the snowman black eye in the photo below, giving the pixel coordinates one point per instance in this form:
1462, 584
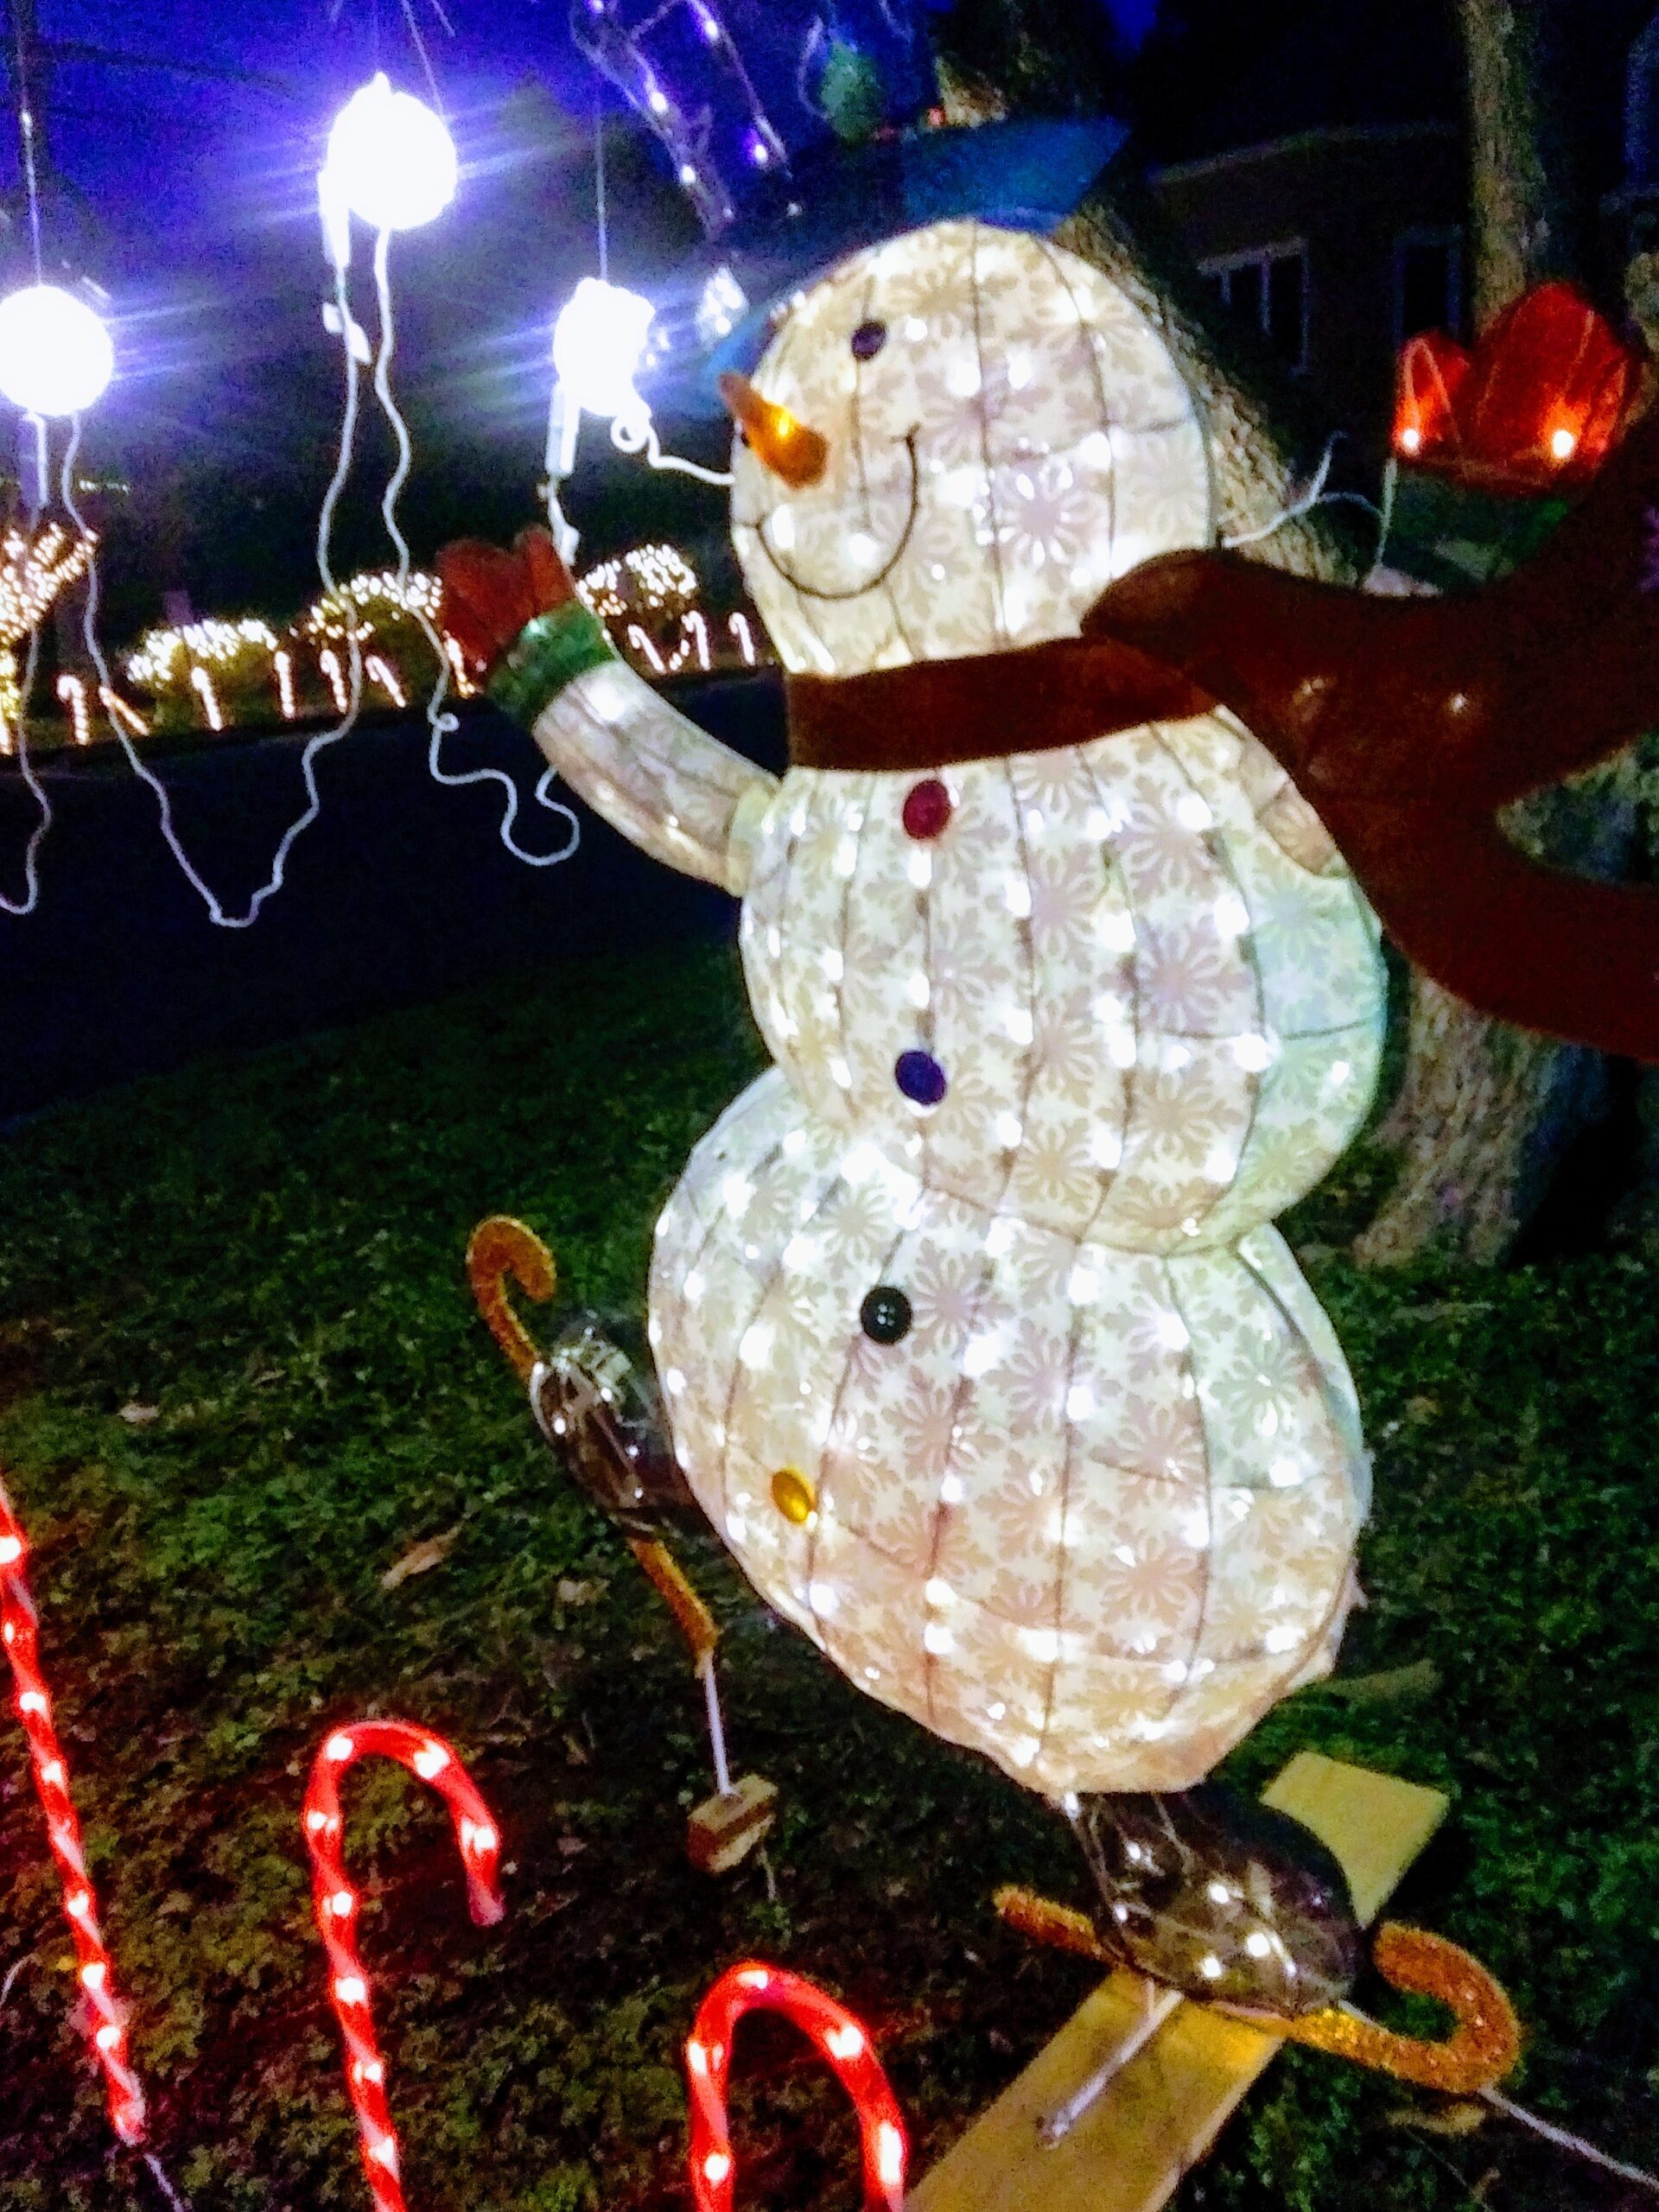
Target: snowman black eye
868, 339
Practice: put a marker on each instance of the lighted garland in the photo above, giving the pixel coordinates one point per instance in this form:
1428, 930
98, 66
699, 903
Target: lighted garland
653, 578
34, 567
648, 599
33, 570
215, 674
364, 605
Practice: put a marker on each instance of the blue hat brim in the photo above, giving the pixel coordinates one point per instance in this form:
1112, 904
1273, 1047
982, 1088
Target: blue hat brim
1026, 175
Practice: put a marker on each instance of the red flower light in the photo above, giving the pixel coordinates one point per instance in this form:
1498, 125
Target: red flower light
1538, 403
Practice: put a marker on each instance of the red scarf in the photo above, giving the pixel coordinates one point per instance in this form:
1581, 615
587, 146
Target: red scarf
1034, 699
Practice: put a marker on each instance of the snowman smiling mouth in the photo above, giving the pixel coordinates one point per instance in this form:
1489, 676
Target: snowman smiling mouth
775, 555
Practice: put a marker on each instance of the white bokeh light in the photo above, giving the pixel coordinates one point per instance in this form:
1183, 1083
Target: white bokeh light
55, 355
391, 159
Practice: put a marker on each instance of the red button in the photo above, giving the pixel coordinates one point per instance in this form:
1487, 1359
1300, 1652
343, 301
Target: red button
927, 809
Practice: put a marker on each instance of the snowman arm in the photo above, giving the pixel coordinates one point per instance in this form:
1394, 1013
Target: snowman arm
666, 784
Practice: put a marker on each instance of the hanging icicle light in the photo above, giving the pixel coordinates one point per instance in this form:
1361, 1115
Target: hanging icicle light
391, 159
55, 355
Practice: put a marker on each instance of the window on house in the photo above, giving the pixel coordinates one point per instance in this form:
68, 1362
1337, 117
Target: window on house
1642, 109
1427, 283
1268, 290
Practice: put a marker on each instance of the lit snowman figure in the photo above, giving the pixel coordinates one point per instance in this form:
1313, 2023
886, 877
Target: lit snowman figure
978, 1346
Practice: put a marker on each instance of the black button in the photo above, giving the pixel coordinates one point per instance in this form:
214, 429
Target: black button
868, 339
884, 1315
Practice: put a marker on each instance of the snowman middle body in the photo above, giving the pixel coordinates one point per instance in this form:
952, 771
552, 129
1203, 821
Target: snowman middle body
1092, 1509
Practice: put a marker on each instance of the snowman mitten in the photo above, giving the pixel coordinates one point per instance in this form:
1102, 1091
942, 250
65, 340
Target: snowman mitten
516, 616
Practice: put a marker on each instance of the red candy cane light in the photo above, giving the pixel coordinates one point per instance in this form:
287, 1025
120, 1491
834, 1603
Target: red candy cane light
33, 1705
336, 1901
843, 2043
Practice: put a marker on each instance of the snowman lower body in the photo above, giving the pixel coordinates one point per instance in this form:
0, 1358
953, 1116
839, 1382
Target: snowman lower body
1089, 1511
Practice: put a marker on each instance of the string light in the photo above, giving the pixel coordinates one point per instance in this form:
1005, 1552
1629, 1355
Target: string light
658, 577
73, 693
642, 644
720, 303
115, 706
163, 658
106, 2015
335, 1903
244, 655
846, 2045
363, 603
328, 662
379, 671
202, 685
34, 569
683, 123
740, 627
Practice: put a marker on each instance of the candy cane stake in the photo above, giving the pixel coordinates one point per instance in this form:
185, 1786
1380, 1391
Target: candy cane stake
336, 1901
33, 1706
707, 2060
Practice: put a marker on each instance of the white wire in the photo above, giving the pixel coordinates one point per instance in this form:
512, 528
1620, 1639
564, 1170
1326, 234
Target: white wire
1565, 2140
313, 745
31, 898
641, 438
174, 2201
1315, 496
716, 1726
439, 720
1562, 2137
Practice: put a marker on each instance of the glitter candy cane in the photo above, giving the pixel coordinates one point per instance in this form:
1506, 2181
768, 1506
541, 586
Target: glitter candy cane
336, 1901
33, 1706
843, 2043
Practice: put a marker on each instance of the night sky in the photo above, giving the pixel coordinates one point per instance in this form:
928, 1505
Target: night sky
191, 199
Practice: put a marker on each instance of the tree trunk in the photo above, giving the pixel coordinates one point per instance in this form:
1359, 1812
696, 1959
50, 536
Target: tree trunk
1520, 233
1484, 1111
1255, 423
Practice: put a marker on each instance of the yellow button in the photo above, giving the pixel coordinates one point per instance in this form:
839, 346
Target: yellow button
794, 1495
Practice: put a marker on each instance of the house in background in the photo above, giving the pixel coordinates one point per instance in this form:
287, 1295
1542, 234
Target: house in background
1337, 245
1629, 213
1325, 193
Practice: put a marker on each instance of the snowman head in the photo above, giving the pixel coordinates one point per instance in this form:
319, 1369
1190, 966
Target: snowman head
952, 445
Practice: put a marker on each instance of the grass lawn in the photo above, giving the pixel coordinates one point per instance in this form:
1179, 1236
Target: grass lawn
261, 1263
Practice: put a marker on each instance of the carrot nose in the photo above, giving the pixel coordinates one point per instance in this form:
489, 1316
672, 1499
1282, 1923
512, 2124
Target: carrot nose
790, 448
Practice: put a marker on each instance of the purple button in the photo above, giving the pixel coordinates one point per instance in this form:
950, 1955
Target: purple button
921, 1078
927, 809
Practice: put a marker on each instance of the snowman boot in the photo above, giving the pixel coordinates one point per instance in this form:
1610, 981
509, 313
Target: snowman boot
1220, 1898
